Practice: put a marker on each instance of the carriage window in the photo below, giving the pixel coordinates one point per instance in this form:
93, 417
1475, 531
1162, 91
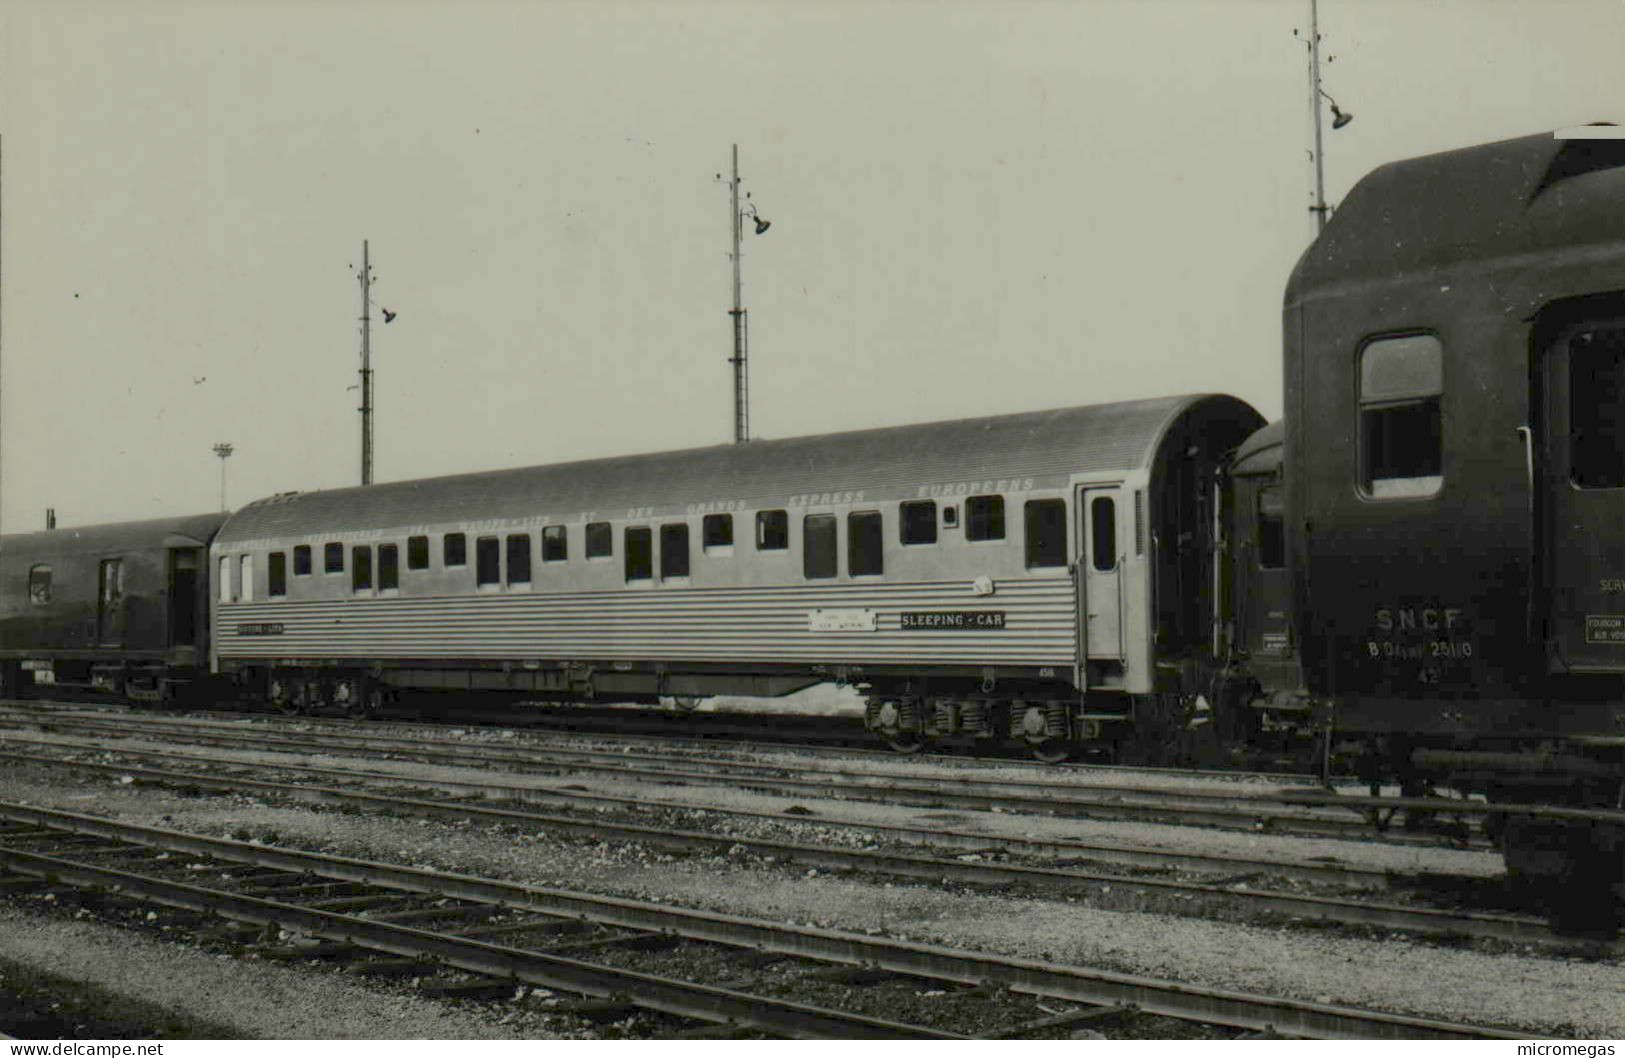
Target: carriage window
600, 540
984, 518
39, 585
245, 567
1046, 533
818, 546
674, 550
640, 563
225, 580
1271, 529
417, 552
1401, 430
333, 558
454, 550
772, 531
276, 574
487, 561
519, 558
555, 544
717, 530
389, 567
360, 569
301, 560
863, 544
1597, 409
919, 522
1103, 532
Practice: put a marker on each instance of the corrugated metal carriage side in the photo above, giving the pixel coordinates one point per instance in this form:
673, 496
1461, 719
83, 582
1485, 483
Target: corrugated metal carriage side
120, 607
941, 566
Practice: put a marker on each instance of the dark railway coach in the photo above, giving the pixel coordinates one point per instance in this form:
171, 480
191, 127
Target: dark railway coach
1021, 576
1455, 449
119, 608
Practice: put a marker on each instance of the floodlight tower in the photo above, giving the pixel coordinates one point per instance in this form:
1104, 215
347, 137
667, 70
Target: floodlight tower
224, 451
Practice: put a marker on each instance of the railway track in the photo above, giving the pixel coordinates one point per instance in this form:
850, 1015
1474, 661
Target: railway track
622, 726
1234, 885
1281, 811
511, 933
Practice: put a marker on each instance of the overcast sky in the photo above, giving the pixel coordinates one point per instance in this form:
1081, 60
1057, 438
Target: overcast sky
977, 207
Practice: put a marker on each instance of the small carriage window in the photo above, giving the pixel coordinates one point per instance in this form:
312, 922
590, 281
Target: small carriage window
1597, 409
863, 544
1271, 529
487, 561
39, 585
639, 553
245, 567
389, 567
984, 518
361, 569
1103, 533
417, 552
674, 550
950, 517
454, 550
1046, 533
600, 540
717, 530
519, 558
555, 543
301, 560
919, 522
333, 558
1401, 427
276, 574
225, 579
818, 546
772, 531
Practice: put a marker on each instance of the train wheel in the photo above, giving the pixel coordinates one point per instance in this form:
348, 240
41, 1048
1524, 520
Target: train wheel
1051, 751
366, 705
906, 743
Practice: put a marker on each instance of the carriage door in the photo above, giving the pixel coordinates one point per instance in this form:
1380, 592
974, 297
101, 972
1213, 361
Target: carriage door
1584, 519
183, 597
110, 603
1098, 573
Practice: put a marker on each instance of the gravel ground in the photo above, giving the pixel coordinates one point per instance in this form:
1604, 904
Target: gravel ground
246, 999
1538, 992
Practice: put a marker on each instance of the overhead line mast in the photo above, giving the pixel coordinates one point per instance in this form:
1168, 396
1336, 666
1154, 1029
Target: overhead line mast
741, 330
366, 367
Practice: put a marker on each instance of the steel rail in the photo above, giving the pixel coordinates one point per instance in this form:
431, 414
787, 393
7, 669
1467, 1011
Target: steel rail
975, 841
487, 753
1073, 983
665, 743
667, 995
1507, 928
1087, 802
544, 757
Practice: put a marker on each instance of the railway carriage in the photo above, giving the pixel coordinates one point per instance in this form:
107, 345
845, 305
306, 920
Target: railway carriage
1455, 443
1032, 576
120, 608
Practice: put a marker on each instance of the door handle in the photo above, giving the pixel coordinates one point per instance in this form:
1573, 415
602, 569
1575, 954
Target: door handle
1528, 436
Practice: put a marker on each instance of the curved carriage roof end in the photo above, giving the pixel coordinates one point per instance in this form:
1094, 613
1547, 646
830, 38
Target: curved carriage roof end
1261, 453
1480, 203
154, 534
1095, 438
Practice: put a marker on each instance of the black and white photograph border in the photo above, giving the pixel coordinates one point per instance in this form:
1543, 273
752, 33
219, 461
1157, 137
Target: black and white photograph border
657, 521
